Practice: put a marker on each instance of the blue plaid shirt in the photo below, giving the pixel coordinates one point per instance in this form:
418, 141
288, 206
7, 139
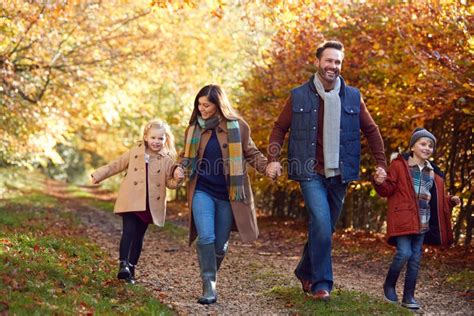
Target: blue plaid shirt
423, 179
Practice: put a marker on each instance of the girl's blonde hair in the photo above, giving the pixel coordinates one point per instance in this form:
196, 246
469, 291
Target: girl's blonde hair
169, 142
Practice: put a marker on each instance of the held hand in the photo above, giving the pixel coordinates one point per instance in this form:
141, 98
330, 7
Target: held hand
273, 170
178, 174
455, 200
380, 175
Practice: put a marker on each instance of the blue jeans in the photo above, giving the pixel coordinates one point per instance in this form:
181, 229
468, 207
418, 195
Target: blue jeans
409, 252
213, 219
323, 198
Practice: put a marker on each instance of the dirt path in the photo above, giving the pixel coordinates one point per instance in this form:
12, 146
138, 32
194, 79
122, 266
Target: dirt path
169, 268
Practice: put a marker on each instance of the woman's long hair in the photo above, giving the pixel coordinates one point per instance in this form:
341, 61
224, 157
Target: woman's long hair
169, 142
216, 95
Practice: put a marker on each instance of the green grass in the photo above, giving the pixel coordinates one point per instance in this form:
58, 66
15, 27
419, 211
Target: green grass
107, 206
175, 231
342, 302
48, 265
13, 180
462, 280
269, 276
89, 199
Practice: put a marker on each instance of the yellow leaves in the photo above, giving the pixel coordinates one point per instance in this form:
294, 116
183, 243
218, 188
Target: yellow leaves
471, 44
174, 5
109, 110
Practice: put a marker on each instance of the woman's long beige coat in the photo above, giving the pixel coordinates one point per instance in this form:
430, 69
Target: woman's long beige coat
244, 211
132, 192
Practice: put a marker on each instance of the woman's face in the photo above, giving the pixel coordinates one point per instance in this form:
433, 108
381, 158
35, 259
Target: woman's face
206, 108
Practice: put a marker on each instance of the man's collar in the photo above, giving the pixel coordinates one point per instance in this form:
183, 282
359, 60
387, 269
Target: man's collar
313, 87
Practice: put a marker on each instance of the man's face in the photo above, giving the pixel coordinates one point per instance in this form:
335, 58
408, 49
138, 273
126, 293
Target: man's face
330, 64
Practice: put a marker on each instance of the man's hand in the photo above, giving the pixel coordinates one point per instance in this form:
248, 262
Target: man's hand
380, 175
273, 170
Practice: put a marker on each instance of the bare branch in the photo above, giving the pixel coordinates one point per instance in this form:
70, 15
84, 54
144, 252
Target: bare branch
27, 31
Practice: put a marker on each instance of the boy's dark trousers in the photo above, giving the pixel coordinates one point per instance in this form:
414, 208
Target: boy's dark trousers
409, 251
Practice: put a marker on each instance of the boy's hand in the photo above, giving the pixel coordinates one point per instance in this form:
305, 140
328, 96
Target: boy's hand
380, 175
455, 200
273, 170
178, 174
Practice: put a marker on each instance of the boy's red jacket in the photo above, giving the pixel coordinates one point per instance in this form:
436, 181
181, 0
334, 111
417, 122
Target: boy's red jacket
403, 213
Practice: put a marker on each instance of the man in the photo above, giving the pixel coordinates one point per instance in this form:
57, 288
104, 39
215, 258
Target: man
324, 117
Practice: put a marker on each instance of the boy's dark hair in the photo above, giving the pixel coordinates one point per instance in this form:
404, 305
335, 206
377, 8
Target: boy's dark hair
328, 44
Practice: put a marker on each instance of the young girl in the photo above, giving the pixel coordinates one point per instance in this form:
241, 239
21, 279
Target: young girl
217, 147
418, 211
142, 196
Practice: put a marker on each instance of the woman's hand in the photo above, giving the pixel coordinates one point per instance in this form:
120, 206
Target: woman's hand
178, 173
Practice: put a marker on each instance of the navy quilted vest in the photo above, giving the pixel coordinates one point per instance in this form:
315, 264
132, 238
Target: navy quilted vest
303, 132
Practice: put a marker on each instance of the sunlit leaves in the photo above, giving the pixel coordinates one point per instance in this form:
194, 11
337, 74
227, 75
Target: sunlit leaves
411, 61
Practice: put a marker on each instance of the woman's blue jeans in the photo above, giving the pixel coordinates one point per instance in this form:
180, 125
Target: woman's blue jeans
213, 219
324, 198
409, 251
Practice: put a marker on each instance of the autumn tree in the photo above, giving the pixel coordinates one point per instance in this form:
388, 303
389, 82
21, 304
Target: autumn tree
413, 65
52, 57
77, 77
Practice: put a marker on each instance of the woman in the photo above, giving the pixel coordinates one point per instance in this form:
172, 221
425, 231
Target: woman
217, 147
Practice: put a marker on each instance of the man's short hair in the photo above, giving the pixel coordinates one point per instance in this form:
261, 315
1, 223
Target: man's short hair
328, 44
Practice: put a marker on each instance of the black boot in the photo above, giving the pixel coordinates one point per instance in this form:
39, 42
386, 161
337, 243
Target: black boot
219, 259
131, 279
409, 294
207, 263
389, 290
124, 270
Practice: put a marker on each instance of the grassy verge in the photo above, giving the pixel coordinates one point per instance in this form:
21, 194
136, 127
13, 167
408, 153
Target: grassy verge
89, 198
462, 280
48, 265
342, 302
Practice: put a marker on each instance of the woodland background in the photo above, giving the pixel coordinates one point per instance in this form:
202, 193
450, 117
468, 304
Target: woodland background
79, 79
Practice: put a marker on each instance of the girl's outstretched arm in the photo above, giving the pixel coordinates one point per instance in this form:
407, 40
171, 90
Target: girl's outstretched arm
112, 168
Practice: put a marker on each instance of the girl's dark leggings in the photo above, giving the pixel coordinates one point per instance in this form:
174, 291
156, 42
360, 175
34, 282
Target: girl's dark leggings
132, 238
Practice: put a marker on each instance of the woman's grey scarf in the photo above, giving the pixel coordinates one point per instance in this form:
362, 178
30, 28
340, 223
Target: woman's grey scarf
332, 123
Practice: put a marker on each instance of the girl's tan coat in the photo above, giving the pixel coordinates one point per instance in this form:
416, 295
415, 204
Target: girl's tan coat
244, 211
132, 192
